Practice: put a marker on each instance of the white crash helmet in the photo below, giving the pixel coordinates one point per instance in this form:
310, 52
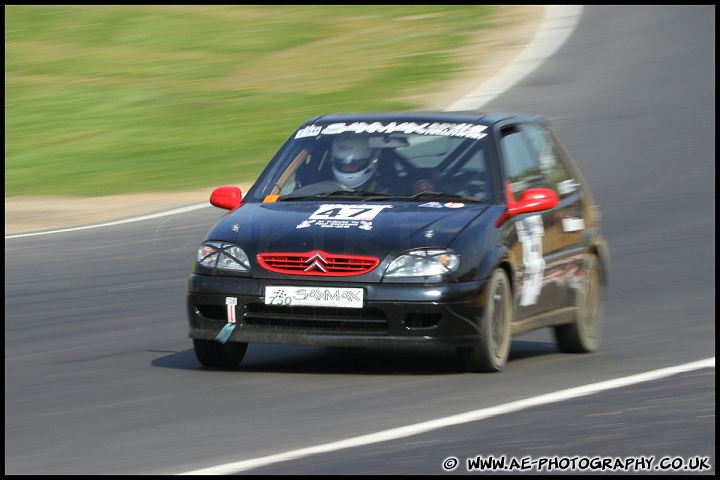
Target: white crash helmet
353, 162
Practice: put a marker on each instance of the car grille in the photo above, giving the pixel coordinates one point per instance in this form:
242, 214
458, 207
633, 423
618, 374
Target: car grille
317, 263
316, 318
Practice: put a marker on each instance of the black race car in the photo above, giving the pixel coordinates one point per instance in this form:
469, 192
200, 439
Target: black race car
453, 230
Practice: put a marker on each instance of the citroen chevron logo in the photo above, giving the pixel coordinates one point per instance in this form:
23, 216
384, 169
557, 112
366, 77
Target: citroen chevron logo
314, 262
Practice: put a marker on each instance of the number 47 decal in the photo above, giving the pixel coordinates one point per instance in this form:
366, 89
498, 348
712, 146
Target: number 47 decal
347, 212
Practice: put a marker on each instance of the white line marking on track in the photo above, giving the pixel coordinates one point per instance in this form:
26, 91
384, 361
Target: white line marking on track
117, 222
472, 416
558, 23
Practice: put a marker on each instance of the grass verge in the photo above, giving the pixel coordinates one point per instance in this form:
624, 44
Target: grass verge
103, 100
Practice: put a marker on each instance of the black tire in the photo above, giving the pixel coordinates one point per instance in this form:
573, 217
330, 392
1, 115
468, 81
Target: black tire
583, 334
492, 351
213, 354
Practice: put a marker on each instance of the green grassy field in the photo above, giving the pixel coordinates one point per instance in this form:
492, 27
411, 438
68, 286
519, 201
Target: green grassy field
104, 100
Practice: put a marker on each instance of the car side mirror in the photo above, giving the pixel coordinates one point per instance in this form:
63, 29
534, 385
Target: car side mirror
531, 200
534, 200
228, 197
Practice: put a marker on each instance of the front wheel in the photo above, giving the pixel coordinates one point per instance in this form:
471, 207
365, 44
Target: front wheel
583, 334
492, 351
213, 354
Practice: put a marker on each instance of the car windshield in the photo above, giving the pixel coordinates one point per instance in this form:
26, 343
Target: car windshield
324, 161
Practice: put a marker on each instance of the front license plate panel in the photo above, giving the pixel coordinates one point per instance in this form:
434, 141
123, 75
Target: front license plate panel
314, 297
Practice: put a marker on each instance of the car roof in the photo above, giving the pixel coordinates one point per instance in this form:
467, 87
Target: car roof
439, 116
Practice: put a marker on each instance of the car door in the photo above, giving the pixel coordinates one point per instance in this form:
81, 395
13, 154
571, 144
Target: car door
564, 257
533, 247
570, 241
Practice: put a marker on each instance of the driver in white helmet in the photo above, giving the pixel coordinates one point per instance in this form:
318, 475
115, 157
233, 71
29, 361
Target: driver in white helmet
355, 164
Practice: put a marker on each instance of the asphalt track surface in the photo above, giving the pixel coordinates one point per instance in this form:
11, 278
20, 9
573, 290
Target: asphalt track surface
100, 377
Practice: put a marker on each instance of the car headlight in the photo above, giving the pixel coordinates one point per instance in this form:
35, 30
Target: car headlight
223, 256
423, 263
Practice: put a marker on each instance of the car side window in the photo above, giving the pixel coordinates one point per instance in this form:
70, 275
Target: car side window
521, 161
549, 158
533, 159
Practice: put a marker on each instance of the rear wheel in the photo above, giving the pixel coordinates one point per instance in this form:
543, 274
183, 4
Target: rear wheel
583, 334
492, 351
213, 354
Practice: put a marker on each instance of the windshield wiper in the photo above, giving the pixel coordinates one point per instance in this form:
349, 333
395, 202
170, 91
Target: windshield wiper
351, 193
341, 194
376, 196
449, 196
